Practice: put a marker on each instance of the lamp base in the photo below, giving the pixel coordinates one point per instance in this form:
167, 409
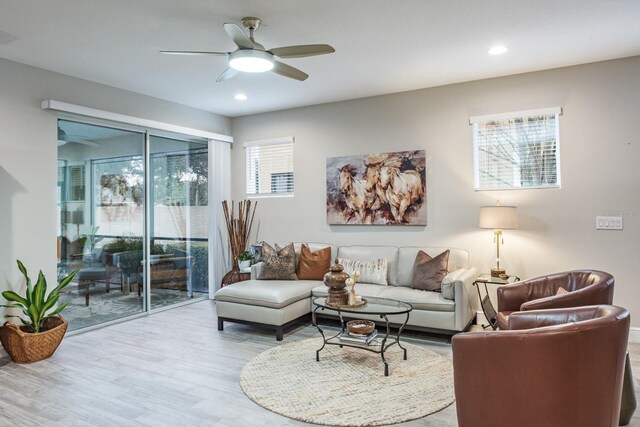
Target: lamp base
497, 272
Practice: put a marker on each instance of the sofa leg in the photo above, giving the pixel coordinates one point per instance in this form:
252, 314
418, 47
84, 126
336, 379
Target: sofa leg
220, 325
279, 333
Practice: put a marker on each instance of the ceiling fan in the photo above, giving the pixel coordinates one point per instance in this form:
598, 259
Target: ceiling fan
252, 57
64, 138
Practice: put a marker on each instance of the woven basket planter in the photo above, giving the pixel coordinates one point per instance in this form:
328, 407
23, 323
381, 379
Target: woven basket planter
27, 347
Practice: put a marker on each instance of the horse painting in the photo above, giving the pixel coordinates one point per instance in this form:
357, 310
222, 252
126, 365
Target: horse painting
388, 188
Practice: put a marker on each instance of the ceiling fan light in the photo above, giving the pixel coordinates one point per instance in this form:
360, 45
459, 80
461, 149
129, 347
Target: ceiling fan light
497, 50
251, 61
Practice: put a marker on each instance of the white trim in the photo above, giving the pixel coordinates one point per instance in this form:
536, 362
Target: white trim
283, 140
211, 226
52, 104
512, 114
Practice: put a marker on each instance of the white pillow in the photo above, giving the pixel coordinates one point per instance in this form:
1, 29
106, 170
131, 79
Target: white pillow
370, 271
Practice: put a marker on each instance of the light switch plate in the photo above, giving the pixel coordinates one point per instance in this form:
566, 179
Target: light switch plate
608, 223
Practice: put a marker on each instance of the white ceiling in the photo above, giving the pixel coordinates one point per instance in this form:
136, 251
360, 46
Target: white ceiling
381, 46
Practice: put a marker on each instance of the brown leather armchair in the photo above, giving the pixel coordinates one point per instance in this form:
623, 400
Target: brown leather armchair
560, 367
584, 287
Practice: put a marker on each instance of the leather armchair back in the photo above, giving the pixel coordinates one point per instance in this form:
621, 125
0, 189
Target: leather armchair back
560, 367
584, 287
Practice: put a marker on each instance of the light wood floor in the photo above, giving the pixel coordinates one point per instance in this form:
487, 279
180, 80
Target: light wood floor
169, 369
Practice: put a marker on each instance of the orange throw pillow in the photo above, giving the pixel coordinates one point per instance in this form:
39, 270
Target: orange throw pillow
313, 265
561, 291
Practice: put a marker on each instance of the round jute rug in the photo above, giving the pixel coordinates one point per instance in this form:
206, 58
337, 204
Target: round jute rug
348, 387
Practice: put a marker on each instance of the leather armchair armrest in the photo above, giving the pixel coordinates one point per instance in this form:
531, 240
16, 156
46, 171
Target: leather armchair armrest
550, 317
591, 295
511, 297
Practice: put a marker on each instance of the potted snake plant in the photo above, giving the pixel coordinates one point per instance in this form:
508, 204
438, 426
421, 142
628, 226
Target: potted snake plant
42, 326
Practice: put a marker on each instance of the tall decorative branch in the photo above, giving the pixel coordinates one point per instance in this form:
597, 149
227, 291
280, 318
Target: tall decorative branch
239, 228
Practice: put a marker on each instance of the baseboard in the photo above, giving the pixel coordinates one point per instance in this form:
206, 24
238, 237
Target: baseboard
634, 333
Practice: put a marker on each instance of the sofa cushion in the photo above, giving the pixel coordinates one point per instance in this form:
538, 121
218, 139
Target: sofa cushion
272, 294
372, 253
279, 263
374, 272
458, 258
363, 289
429, 271
314, 246
313, 265
420, 300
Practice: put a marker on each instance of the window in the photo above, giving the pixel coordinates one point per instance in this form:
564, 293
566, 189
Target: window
269, 167
76, 183
517, 150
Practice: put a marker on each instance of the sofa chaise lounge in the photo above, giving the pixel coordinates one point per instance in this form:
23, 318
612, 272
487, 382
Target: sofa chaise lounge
280, 303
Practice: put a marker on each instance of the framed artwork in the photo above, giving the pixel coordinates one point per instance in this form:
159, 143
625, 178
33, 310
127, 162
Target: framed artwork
379, 189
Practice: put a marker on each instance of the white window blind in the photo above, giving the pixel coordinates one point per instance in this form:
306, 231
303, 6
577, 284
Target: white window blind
269, 167
517, 150
76, 178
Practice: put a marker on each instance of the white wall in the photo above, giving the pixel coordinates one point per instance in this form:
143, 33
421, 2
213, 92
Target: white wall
600, 152
28, 156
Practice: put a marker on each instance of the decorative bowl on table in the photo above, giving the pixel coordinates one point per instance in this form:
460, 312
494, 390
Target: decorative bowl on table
360, 327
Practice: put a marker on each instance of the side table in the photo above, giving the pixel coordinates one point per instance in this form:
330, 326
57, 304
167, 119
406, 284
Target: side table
485, 302
234, 276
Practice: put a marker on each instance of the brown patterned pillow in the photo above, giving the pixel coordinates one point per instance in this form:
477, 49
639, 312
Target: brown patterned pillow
279, 263
428, 272
313, 265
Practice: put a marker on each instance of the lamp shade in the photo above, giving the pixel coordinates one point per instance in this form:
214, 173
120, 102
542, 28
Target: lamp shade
498, 217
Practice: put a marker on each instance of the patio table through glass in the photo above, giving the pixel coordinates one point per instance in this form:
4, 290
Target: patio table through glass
381, 307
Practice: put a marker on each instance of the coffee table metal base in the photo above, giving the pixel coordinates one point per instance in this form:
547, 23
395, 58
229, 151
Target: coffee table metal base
373, 347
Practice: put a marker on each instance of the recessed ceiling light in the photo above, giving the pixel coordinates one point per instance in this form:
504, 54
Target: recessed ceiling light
497, 50
241, 97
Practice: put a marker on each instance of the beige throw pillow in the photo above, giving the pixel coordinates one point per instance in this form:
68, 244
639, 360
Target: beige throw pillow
279, 264
428, 272
374, 272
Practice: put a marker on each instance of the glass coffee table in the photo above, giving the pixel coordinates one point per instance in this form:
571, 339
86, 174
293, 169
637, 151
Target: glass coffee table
375, 307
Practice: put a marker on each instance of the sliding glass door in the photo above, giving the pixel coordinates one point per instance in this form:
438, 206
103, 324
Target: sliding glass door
122, 194
178, 221
101, 200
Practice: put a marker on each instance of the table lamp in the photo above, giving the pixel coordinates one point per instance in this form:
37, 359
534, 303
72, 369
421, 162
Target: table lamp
498, 218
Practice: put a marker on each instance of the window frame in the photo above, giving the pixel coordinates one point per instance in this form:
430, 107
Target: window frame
474, 121
257, 182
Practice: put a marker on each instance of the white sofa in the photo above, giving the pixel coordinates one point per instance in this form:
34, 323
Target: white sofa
280, 303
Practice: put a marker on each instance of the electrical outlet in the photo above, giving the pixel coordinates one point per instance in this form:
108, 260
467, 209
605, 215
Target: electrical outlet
608, 223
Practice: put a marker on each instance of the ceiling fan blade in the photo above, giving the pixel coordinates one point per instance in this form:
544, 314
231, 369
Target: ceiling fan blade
228, 73
289, 71
238, 36
62, 142
191, 52
302, 50
87, 142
